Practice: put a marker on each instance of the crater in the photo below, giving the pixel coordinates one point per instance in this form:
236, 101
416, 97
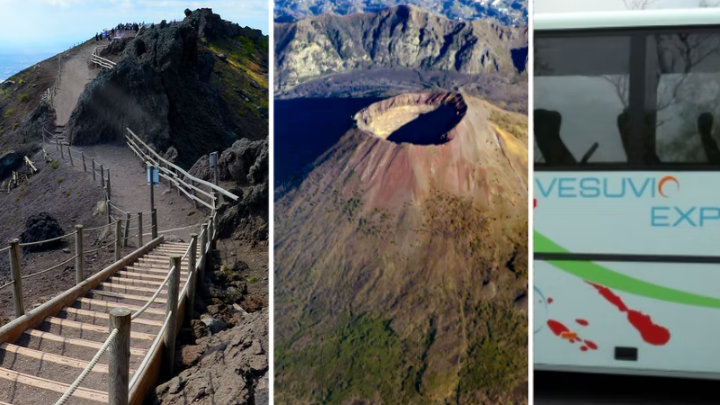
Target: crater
416, 118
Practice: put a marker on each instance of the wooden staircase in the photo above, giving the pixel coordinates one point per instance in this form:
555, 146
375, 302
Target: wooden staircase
44, 359
59, 135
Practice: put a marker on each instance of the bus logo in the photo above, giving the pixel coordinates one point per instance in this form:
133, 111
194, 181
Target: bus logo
665, 180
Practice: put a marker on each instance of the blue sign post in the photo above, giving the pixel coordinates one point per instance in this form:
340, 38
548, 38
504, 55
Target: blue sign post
154, 171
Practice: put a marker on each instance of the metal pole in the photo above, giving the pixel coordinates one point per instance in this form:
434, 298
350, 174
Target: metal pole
154, 224
140, 230
152, 188
117, 239
70, 156
82, 155
16, 278
79, 256
192, 273
119, 353
126, 230
172, 300
102, 176
93, 170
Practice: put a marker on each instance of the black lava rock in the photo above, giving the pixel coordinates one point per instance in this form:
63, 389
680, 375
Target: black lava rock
39, 227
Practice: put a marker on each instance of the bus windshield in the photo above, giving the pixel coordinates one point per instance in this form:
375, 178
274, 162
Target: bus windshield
640, 98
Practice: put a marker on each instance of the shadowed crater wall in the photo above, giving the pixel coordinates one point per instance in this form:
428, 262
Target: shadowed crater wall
416, 118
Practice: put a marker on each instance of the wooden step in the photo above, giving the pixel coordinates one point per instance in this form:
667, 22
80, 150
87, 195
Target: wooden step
76, 341
103, 316
136, 281
108, 304
67, 323
146, 276
142, 298
117, 284
43, 383
53, 358
152, 270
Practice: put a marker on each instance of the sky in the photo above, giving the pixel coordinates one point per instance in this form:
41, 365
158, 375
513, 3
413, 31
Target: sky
560, 6
42, 26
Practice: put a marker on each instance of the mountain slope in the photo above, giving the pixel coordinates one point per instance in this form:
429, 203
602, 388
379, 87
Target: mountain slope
197, 85
401, 259
509, 12
395, 38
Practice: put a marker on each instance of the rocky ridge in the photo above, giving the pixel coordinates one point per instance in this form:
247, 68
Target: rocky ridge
397, 38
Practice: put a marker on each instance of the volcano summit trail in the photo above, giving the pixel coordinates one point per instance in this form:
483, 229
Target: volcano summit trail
75, 73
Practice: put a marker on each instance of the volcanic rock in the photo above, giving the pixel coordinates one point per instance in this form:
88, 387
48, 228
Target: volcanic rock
41, 226
397, 37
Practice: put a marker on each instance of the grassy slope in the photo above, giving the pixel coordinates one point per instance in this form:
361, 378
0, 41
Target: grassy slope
243, 78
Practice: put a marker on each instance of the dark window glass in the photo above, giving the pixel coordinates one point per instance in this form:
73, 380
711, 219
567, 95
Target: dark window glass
684, 86
581, 92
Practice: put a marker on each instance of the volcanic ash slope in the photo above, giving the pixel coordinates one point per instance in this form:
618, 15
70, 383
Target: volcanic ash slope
401, 260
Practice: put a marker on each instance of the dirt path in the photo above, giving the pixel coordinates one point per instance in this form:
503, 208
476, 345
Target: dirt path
131, 193
74, 75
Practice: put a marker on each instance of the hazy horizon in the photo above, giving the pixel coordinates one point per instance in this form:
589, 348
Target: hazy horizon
42, 29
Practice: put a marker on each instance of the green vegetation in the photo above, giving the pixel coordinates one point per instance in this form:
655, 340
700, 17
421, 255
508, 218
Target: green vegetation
54, 165
252, 279
9, 112
59, 180
515, 124
24, 98
495, 363
362, 357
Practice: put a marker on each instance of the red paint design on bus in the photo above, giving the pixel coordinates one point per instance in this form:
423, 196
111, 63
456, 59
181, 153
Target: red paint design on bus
649, 331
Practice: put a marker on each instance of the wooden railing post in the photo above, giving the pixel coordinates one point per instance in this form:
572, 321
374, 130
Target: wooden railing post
119, 353
107, 183
16, 277
117, 239
140, 230
92, 166
102, 176
204, 238
153, 225
126, 230
82, 156
192, 273
70, 156
172, 305
79, 256
62, 155
107, 210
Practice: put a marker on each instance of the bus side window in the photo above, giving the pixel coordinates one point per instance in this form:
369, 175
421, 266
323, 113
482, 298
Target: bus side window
683, 81
705, 124
547, 138
646, 154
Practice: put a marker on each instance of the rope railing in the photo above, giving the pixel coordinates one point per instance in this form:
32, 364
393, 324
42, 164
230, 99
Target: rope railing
99, 227
151, 300
146, 360
74, 386
27, 276
40, 242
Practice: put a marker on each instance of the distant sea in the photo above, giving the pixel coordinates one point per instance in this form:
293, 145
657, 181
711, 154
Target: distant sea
12, 63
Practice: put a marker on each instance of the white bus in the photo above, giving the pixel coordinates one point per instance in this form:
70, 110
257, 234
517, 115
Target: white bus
627, 192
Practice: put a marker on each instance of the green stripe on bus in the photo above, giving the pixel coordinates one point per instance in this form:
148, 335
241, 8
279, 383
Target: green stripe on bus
598, 274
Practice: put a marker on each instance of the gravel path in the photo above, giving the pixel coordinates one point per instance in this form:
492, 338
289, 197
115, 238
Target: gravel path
74, 75
131, 193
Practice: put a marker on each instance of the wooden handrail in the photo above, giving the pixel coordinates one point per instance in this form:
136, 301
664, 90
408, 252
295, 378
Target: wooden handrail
183, 172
